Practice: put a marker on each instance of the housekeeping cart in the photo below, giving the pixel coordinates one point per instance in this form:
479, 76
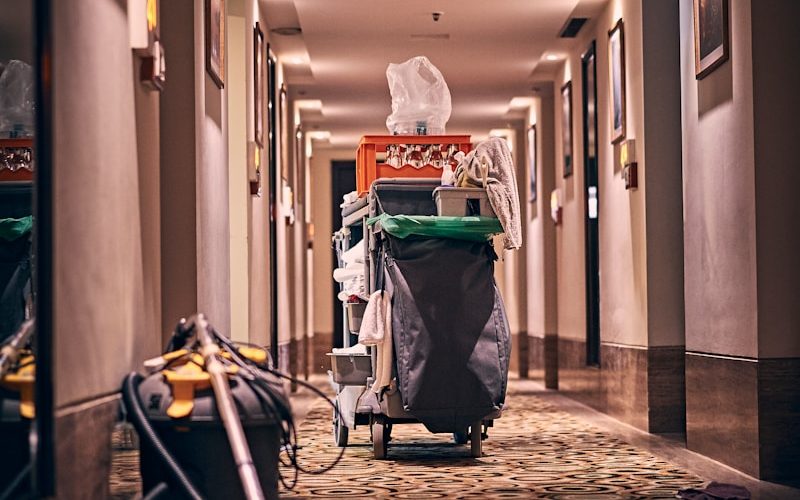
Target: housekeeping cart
449, 333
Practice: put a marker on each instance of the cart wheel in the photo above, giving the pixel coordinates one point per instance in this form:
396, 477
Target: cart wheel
475, 438
461, 437
379, 439
340, 431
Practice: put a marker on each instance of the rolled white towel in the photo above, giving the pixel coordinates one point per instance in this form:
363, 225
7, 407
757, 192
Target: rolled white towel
342, 274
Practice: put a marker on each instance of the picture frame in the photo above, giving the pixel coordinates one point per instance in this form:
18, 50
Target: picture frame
259, 80
616, 57
215, 40
283, 117
711, 36
566, 128
532, 161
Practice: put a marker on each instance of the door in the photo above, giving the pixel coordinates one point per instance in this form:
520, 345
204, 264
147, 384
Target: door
591, 208
272, 180
343, 176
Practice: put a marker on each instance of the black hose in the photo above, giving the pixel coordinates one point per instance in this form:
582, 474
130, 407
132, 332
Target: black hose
252, 374
15, 484
146, 431
160, 490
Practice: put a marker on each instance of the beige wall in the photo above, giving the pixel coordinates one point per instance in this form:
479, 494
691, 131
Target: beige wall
211, 144
149, 340
739, 189
662, 157
510, 267
719, 193
777, 176
258, 207
178, 193
238, 187
540, 247
99, 281
321, 216
640, 230
623, 315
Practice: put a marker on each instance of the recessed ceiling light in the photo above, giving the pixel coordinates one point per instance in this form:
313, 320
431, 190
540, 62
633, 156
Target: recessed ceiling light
552, 57
520, 102
296, 60
287, 30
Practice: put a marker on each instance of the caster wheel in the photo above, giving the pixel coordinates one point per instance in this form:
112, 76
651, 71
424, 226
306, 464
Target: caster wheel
340, 431
380, 438
475, 439
461, 437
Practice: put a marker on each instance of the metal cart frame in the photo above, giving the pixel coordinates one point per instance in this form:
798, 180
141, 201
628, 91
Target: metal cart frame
358, 405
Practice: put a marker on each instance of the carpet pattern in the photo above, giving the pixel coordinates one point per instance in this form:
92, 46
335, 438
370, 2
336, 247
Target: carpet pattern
534, 451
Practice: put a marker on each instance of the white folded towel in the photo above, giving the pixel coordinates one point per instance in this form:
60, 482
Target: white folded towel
342, 274
376, 330
354, 255
355, 349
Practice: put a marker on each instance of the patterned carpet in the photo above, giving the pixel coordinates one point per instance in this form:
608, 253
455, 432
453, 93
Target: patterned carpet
534, 451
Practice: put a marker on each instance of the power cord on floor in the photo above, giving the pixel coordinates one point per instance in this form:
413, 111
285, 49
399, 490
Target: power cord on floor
273, 403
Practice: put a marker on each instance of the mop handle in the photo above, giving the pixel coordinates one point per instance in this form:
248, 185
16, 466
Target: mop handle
227, 410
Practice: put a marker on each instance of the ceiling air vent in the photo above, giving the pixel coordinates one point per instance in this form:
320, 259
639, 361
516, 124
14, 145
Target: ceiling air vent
287, 30
430, 36
573, 26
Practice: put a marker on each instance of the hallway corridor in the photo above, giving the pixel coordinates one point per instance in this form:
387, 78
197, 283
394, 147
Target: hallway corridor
580, 212
545, 446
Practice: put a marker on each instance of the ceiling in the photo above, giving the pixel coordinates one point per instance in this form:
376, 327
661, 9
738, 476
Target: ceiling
494, 52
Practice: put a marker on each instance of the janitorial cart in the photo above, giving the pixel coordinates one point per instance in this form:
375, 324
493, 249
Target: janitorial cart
434, 322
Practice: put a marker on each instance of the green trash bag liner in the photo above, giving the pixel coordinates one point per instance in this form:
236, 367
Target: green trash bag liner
12, 229
458, 228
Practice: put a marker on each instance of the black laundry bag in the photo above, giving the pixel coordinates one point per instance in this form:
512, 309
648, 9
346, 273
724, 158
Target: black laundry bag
450, 331
15, 275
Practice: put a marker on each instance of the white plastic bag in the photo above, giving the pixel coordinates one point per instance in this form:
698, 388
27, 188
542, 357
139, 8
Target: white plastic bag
16, 99
420, 98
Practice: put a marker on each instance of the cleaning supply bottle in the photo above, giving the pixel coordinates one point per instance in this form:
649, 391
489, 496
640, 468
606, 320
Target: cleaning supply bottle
448, 176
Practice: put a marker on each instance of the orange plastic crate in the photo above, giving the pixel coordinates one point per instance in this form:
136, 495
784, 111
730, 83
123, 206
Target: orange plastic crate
368, 169
18, 175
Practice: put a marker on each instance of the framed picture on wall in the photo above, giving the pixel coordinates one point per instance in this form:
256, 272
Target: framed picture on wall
566, 127
616, 57
711, 36
532, 160
258, 84
215, 41
283, 117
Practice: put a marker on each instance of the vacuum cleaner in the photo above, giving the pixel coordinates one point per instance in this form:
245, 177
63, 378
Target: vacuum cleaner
17, 410
209, 418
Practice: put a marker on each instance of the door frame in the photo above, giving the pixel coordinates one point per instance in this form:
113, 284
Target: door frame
591, 224
272, 179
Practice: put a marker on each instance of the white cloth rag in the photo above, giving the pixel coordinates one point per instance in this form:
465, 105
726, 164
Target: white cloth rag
491, 166
376, 330
354, 255
349, 199
355, 349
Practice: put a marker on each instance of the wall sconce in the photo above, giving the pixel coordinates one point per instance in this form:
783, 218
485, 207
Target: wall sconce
627, 160
555, 206
254, 167
287, 197
145, 33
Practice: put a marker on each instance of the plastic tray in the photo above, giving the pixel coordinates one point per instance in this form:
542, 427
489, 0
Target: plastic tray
350, 369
